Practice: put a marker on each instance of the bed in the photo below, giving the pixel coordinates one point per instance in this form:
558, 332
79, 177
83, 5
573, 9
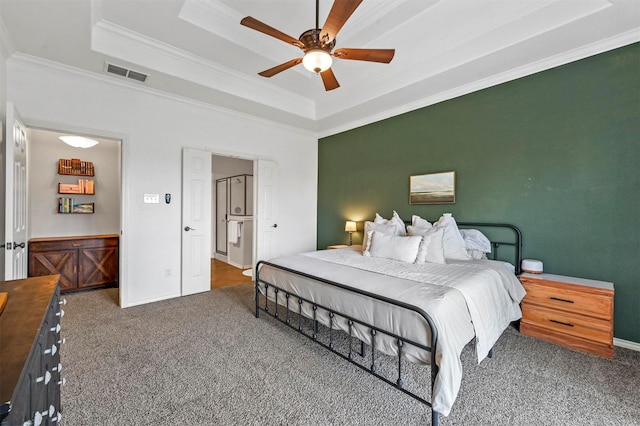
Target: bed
398, 308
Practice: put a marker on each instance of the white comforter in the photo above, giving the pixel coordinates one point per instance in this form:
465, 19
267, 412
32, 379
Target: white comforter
464, 298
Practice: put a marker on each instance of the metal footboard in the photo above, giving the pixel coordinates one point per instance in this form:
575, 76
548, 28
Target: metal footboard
293, 308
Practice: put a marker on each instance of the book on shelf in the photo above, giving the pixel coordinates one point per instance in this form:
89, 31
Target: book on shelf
75, 166
84, 186
69, 205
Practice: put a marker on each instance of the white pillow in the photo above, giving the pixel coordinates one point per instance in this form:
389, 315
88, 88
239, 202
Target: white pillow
430, 249
394, 219
452, 241
475, 240
420, 222
476, 254
386, 228
404, 249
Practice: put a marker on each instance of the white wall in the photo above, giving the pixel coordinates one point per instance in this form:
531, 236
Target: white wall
44, 220
154, 128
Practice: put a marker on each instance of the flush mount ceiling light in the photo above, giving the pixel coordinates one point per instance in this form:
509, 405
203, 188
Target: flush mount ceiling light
79, 141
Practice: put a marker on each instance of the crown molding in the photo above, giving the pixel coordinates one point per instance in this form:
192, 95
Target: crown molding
118, 42
19, 57
593, 49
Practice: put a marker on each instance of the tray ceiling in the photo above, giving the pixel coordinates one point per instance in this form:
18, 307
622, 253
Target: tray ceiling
197, 49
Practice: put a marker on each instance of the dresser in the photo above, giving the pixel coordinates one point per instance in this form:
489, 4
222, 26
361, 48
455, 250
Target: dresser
574, 312
30, 366
82, 262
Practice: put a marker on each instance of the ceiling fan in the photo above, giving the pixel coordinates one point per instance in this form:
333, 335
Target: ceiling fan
317, 44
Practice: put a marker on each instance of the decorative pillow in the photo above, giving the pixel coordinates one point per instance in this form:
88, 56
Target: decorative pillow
404, 249
385, 228
394, 219
452, 241
420, 222
430, 249
475, 240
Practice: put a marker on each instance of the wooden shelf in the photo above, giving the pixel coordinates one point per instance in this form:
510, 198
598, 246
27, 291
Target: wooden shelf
75, 167
70, 206
83, 187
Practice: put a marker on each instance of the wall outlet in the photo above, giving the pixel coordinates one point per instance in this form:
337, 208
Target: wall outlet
168, 273
151, 198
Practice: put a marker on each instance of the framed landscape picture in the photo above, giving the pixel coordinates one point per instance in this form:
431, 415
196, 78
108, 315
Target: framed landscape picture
433, 188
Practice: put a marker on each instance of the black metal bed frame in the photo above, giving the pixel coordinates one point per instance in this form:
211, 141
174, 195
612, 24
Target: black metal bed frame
374, 330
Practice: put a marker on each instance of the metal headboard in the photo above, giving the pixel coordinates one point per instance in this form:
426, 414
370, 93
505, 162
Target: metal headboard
515, 242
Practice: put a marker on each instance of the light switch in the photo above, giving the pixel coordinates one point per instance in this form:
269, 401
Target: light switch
151, 198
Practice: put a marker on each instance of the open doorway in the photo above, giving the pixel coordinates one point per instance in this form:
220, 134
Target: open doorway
232, 220
74, 210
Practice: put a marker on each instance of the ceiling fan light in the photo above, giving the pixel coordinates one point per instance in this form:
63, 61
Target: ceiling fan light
317, 60
79, 141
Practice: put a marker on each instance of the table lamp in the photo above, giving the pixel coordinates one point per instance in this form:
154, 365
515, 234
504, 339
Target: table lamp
350, 227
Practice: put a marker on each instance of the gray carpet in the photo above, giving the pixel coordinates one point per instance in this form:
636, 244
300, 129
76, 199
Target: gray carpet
206, 360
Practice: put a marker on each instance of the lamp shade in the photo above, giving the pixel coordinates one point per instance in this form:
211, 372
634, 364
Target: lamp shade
350, 226
317, 60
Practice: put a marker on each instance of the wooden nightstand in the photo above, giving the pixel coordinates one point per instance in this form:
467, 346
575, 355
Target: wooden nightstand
337, 246
574, 312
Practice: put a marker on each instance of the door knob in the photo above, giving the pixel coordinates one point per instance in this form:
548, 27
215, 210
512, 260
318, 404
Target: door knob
187, 228
275, 225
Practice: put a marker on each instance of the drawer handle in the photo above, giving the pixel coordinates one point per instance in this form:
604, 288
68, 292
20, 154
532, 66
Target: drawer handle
563, 323
562, 300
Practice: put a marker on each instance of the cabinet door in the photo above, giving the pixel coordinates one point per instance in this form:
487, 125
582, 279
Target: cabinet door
98, 266
54, 262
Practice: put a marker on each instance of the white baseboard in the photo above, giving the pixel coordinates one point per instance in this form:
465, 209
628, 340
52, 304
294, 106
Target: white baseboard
626, 344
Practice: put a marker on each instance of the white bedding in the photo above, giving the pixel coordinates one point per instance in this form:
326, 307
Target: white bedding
465, 299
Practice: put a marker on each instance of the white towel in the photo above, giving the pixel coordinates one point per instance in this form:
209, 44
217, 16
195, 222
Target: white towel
233, 231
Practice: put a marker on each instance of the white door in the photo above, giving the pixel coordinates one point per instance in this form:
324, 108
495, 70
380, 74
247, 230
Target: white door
15, 260
196, 221
267, 210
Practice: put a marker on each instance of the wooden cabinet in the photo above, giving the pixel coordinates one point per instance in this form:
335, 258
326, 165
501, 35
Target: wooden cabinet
82, 262
574, 312
30, 352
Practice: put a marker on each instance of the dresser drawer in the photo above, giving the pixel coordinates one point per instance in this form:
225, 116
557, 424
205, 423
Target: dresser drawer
576, 325
562, 297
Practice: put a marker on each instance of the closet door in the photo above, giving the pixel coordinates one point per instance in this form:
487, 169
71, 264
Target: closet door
221, 216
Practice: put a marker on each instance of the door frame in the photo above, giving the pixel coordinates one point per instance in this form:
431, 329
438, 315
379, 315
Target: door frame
124, 144
254, 159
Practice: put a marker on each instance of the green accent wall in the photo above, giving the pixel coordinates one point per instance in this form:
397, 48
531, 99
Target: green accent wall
556, 153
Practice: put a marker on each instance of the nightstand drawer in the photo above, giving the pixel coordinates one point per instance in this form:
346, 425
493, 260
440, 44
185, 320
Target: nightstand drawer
545, 293
568, 323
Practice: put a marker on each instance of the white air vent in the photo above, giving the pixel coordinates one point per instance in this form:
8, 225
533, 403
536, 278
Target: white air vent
124, 72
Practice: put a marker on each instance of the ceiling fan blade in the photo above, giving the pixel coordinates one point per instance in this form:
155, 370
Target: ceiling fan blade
279, 68
329, 80
253, 23
338, 15
371, 55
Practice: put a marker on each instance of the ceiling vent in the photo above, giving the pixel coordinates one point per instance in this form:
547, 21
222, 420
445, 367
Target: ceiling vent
124, 72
